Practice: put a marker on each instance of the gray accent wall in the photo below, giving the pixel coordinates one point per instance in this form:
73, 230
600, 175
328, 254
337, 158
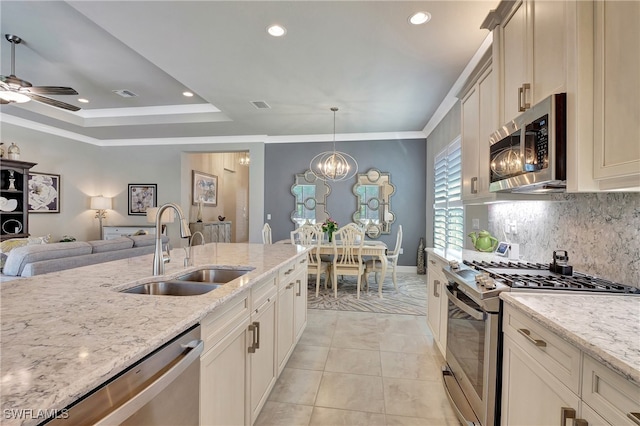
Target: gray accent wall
403, 159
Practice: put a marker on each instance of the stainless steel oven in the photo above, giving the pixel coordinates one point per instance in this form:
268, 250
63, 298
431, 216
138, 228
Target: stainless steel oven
472, 349
472, 375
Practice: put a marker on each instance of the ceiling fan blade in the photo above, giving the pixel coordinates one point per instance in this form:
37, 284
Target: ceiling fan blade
3, 102
52, 102
51, 90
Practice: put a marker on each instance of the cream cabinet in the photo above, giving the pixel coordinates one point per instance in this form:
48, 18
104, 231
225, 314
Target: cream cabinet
616, 94
242, 338
547, 381
531, 46
224, 365
437, 303
478, 122
292, 309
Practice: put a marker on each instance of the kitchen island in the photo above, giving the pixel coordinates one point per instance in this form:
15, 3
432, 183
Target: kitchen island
65, 333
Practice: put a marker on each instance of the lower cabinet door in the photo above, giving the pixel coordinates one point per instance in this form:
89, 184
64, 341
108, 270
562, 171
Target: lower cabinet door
263, 359
300, 305
531, 395
285, 323
223, 380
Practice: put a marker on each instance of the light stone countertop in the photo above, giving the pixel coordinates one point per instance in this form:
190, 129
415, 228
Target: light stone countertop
65, 333
447, 255
606, 327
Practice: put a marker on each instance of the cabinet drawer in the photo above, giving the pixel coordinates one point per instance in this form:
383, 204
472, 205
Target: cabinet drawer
609, 394
221, 321
287, 272
261, 291
560, 358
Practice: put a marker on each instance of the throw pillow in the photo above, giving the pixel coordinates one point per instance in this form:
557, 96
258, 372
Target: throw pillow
7, 245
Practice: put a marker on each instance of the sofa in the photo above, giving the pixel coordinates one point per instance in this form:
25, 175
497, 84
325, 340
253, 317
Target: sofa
36, 259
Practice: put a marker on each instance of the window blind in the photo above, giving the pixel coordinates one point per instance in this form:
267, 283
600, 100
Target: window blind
448, 224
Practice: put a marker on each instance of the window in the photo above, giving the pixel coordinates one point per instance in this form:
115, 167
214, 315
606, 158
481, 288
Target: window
448, 224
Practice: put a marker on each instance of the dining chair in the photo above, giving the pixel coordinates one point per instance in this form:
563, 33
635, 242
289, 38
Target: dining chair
266, 234
347, 255
375, 266
311, 235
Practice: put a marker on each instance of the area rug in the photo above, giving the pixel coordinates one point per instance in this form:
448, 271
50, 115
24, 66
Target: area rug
410, 299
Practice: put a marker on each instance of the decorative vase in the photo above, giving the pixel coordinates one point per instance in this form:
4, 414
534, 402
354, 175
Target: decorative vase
330, 235
199, 216
421, 261
13, 152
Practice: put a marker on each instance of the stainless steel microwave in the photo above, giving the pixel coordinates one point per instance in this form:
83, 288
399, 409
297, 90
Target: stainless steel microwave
529, 154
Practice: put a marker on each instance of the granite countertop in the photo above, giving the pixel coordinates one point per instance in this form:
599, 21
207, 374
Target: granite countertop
606, 327
447, 255
65, 333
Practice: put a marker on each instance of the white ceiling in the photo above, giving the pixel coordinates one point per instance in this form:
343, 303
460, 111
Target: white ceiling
361, 56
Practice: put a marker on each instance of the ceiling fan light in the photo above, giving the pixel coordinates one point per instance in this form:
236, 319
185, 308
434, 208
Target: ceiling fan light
83, 100
16, 97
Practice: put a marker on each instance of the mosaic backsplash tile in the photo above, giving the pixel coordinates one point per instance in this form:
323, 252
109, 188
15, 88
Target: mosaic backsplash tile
600, 231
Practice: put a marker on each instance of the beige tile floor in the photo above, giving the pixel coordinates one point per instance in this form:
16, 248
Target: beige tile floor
356, 368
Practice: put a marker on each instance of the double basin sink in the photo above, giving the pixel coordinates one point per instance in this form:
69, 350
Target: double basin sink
197, 282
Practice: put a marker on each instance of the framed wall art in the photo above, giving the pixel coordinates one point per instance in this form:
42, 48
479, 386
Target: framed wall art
141, 197
44, 193
204, 188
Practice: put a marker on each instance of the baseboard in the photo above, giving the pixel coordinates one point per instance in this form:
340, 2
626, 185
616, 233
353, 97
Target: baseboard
407, 269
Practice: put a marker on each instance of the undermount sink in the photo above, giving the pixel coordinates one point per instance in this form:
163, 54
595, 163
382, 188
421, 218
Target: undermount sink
172, 288
213, 275
197, 282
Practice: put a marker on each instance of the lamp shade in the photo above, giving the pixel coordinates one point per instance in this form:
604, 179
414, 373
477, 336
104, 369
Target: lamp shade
167, 216
100, 203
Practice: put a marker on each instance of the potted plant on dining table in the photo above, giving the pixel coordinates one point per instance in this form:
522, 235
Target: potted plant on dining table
330, 226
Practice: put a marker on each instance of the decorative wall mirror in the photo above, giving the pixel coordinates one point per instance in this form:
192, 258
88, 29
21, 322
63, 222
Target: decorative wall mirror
310, 195
373, 191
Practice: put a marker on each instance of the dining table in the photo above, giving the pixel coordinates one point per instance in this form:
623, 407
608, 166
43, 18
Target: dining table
376, 249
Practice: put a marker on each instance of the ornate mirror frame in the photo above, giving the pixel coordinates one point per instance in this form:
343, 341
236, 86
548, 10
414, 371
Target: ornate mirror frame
373, 191
310, 199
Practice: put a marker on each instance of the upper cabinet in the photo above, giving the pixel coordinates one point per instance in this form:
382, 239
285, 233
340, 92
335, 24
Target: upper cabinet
589, 50
531, 49
616, 94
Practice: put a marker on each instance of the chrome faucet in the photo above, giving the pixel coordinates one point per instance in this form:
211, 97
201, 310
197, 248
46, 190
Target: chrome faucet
188, 260
158, 256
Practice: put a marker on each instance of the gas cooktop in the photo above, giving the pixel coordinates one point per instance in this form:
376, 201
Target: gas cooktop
525, 275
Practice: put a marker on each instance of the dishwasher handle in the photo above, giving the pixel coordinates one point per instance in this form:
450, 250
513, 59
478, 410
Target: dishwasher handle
130, 407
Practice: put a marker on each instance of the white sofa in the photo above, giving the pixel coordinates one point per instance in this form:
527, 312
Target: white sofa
39, 259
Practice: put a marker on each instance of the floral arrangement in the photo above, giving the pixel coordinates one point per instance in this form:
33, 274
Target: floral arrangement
329, 226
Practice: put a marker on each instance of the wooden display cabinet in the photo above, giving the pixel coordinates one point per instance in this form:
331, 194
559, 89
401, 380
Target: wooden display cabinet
14, 176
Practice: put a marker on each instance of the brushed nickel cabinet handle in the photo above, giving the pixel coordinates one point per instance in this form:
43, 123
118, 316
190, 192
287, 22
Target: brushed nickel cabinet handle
520, 92
299, 293
527, 334
257, 324
436, 283
433, 262
289, 286
289, 271
474, 185
525, 87
635, 417
566, 413
252, 329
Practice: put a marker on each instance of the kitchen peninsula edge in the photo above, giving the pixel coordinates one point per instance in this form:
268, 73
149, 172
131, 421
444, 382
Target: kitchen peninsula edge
65, 333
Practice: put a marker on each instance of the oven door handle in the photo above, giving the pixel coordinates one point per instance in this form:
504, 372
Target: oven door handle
475, 314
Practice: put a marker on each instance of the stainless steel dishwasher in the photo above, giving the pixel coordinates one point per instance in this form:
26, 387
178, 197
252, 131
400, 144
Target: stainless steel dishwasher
161, 389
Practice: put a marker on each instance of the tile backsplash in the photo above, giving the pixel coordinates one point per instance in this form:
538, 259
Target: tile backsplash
600, 231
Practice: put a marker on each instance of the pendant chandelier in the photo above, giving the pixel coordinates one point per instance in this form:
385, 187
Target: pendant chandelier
334, 165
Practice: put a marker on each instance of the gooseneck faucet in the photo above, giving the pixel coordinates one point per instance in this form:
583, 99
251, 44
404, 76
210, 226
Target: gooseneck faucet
158, 256
188, 259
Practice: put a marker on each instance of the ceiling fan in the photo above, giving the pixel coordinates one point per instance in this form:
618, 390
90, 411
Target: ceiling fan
15, 89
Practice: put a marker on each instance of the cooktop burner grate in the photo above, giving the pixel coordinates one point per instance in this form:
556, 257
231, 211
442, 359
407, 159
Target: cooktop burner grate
526, 275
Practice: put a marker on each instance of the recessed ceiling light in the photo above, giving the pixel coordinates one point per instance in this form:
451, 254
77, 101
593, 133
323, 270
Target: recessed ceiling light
187, 94
83, 100
276, 30
419, 18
